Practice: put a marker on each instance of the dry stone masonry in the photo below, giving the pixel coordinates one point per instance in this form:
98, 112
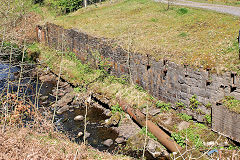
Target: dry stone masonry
163, 79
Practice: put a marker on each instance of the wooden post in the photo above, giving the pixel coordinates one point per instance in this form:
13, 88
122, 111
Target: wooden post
239, 45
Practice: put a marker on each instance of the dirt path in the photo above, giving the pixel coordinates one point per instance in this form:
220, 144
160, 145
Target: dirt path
215, 7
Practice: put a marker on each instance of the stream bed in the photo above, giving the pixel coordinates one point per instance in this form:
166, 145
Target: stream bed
100, 136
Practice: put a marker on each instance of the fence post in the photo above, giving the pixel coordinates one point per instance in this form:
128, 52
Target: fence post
239, 45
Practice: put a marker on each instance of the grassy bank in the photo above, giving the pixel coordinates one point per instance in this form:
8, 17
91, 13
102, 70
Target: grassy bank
86, 78
183, 35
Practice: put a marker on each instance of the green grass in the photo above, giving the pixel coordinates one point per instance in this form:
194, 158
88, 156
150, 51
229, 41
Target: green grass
183, 35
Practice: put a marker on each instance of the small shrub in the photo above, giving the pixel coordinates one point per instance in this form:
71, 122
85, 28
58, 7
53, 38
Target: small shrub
232, 103
182, 11
65, 6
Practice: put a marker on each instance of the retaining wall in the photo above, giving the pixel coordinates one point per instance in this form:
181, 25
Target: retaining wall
162, 79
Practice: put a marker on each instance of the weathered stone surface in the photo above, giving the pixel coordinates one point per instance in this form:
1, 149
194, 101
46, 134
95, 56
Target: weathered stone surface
63, 109
183, 125
155, 148
65, 100
108, 142
120, 140
226, 122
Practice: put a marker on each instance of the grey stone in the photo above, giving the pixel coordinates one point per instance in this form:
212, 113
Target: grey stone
183, 125
63, 109
155, 148
80, 134
120, 140
65, 100
87, 134
108, 142
78, 118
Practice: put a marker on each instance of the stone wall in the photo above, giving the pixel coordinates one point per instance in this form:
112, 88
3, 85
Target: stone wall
162, 79
226, 122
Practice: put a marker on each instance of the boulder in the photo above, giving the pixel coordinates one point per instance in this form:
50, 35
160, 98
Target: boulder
78, 118
108, 142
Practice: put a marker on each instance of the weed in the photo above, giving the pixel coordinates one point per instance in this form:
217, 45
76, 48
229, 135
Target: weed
208, 105
180, 105
116, 108
199, 111
208, 118
185, 117
139, 88
154, 20
149, 134
183, 34
200, 125
163, 106
194, 102
179, 139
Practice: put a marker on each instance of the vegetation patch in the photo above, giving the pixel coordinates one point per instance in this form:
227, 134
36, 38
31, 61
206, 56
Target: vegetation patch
182, 11
163, 106
185, 117
231, 103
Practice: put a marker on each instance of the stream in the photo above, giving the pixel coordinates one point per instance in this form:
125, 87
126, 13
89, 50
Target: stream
65, 122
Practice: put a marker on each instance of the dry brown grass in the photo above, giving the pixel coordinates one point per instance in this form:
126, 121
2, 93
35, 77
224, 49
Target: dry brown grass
26, 143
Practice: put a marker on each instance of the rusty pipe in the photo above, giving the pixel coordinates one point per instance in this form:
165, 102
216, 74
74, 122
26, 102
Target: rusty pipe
163, 138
